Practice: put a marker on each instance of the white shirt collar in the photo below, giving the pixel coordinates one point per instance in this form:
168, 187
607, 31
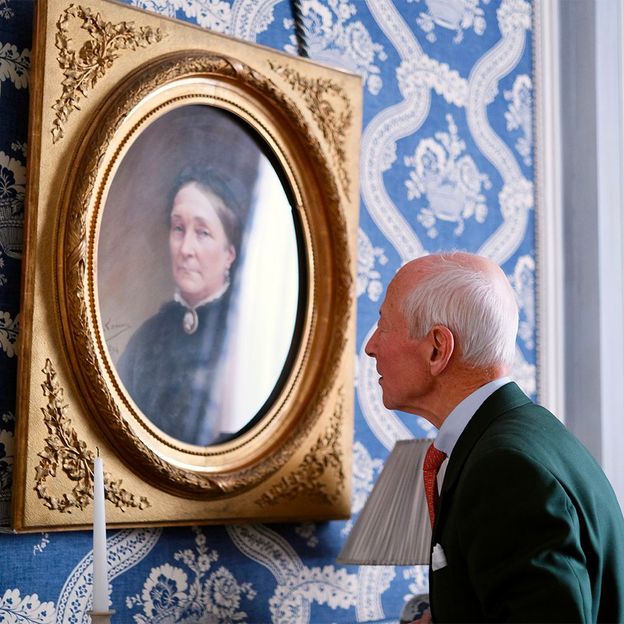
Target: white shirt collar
456, 421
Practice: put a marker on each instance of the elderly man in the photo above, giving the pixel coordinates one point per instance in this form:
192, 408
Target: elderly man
526, 527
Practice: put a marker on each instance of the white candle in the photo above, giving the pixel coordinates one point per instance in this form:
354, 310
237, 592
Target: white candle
100, 567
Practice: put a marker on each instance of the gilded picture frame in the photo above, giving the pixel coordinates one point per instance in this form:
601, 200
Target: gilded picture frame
113, 85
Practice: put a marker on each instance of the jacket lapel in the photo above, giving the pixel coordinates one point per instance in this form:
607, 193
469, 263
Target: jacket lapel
504, 399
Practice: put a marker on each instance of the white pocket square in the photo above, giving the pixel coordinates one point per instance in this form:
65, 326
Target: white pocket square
438, 558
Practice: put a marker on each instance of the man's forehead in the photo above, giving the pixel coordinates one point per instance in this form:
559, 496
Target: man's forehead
394, 297
405, 280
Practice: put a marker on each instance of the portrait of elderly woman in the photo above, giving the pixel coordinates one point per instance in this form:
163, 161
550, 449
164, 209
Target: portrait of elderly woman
180, 347
198, 275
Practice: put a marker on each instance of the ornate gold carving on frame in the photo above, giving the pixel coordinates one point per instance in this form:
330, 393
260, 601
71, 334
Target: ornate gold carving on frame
64, 450
83, 68
332, 122
102, 73
325, 457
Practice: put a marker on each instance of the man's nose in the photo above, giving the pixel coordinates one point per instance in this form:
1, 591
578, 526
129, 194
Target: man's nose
369, 349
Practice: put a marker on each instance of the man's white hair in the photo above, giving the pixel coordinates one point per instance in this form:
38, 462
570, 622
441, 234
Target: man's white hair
481, 312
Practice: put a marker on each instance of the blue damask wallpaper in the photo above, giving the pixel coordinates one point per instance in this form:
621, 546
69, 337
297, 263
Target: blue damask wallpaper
446, 162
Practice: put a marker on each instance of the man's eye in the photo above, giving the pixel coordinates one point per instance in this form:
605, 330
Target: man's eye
203, 233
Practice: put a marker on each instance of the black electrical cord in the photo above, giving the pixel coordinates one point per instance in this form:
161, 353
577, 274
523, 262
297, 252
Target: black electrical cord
300, 34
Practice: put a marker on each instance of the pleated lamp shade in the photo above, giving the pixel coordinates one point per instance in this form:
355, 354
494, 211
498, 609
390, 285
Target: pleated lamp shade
394, 527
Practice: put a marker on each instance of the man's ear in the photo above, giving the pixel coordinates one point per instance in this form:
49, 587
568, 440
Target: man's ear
443, 346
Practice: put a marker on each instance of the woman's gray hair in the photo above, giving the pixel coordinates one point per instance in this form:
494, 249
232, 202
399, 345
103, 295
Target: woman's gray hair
481, 312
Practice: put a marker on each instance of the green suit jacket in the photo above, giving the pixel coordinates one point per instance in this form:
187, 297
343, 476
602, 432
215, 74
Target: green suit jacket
529, 526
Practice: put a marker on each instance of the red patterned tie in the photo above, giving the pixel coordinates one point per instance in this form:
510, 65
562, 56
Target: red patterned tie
431, 467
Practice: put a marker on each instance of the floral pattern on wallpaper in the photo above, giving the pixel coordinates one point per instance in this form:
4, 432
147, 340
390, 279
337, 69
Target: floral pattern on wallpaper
194, 590
456, 15
519, 116
335, 36
448, 177
446, 162
17, 608
14, 78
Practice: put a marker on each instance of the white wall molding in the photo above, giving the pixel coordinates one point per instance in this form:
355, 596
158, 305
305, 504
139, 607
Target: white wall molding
549, 245
592, 173
609, 28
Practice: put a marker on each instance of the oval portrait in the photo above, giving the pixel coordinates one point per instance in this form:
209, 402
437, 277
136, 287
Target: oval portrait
199, 275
